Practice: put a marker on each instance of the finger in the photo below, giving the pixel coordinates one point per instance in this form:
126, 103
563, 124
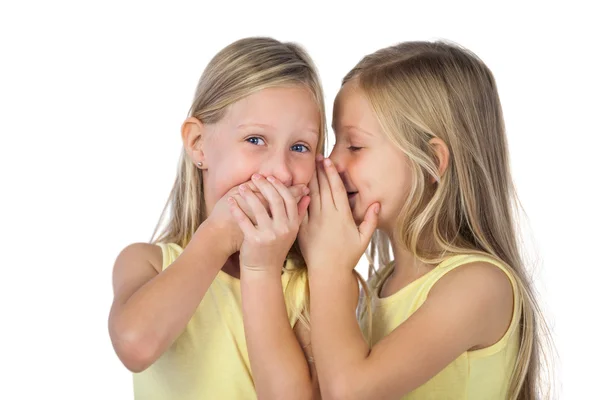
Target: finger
291, 205
235, 191
324, 189
276, 202
338, 190
315, 202
369, 224
304, 221
257, 208
252, 186
303, 209
243, 205
306, 218
241, 218
298, 191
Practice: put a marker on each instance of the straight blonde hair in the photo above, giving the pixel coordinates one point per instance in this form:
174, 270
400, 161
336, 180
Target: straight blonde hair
425, 90
240, 69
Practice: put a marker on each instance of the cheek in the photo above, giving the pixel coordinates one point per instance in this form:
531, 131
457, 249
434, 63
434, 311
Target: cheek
398, 189
303, 171
225, 173
364, 174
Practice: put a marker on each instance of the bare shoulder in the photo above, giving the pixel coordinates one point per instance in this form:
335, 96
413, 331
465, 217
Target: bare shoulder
484, 292
138, 253
478, 278
135, 265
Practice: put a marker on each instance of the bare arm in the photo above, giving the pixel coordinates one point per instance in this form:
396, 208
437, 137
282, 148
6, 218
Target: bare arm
477, 296
278, 364
468, 308
152, 307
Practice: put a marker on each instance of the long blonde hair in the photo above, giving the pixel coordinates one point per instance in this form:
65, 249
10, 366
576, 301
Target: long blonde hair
424, 90
240, 69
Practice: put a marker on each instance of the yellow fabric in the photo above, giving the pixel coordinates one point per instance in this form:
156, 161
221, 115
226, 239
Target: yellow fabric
209, 360
480, 374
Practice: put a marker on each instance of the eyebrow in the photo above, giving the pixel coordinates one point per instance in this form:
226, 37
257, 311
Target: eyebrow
267, 126
242, 126
354, 128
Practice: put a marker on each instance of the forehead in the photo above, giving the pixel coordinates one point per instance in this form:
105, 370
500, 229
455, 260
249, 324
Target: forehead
352, 109
294, 103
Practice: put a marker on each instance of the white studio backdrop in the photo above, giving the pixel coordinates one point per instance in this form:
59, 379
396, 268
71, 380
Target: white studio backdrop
92, 95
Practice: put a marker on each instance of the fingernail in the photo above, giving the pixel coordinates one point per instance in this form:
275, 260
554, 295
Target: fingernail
271, 179
230, 200
243, 188
256, 176
306, 190
328, 162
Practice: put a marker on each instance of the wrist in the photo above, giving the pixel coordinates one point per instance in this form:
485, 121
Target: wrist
223, 235
261, 271
218, 236
322, 267
331, 283
328, 276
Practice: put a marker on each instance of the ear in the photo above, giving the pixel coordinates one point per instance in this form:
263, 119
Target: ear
192, 134
442, 154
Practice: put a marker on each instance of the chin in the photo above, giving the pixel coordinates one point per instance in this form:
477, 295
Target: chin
358, 215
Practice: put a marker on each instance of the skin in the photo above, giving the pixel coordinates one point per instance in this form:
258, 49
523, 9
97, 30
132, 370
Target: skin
274, 133
365, 183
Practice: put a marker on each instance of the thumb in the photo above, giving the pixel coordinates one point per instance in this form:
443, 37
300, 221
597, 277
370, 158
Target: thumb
298, 192
302, 209
303, 218
369, 224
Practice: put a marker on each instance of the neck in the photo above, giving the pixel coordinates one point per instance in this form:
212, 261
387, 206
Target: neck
407, 266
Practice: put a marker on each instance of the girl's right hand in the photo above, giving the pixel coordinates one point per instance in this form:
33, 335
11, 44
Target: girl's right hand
222, 219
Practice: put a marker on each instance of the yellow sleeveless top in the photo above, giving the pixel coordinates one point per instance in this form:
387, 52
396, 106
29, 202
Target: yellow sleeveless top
209, 360
479, 374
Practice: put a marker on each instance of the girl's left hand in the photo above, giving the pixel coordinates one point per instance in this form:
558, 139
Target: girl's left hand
267, 243
329, 238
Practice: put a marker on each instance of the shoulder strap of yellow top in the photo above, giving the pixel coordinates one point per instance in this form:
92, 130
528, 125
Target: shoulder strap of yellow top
170, 252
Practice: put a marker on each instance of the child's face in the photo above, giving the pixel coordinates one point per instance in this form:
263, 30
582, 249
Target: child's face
372, 167
274, 131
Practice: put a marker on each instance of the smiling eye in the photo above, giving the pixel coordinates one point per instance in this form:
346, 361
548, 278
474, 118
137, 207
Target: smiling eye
300, 148
255, 141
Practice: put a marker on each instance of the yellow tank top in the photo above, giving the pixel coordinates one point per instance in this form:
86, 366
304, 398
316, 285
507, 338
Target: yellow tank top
209, 360
480, 374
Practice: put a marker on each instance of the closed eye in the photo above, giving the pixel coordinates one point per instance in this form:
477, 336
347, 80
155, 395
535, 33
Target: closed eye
354, 148
300, 148
255, 140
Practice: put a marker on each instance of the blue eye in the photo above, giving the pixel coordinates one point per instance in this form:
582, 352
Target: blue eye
300, 148
255, 141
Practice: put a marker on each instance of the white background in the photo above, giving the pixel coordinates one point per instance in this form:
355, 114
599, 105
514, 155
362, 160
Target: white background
92, 95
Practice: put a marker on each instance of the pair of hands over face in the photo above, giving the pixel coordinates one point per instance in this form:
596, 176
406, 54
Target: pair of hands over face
265, 218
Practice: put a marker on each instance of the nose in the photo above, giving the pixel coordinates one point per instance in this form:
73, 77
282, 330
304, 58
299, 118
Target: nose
278, 165
338, 160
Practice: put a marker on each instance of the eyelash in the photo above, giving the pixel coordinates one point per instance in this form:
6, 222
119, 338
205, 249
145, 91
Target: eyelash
303, 145
254, 137
249, 140
354, 148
